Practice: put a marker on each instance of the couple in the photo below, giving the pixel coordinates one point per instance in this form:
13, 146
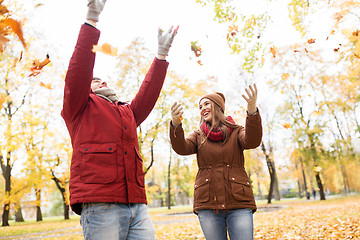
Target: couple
107, 180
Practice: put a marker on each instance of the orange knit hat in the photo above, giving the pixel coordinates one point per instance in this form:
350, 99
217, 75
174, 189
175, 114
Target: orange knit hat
217, 98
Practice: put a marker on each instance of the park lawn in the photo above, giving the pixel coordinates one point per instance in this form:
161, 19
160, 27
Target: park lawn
330, 219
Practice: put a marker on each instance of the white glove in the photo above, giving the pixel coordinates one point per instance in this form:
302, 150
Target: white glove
251, 99
176, 114
165, 40
95, 7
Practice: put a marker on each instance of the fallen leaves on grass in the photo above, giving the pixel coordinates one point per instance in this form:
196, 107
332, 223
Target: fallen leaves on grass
320, 220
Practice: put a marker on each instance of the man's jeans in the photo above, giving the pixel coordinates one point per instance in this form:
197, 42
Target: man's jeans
239, 223
116, 221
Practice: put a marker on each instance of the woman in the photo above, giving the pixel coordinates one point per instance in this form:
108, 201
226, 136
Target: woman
223, 197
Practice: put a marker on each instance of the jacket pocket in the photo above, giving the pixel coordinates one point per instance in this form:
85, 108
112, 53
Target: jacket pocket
98, 162
140, 175
202, 189
241, 188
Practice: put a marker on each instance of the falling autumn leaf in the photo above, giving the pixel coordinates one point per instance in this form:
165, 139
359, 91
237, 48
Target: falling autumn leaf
196, 48
273, 51
356, 55
37, 66
356, 33
199, 62
48, 86
232, 30
306, 50
338, 16
2, 100
285, 76
106, 49
311, 40
286, 125
336, 49
13, 26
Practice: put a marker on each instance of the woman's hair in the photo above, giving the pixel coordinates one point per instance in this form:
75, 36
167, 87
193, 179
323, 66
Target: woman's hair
218, 120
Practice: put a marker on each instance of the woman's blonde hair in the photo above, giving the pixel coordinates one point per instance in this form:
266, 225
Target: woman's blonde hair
219, 120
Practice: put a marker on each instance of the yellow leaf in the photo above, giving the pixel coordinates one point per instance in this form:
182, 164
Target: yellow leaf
285, 76
106, 49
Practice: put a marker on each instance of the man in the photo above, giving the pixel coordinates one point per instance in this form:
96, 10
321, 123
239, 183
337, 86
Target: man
107, 180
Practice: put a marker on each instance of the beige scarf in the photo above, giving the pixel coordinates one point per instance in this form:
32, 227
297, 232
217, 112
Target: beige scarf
107, 93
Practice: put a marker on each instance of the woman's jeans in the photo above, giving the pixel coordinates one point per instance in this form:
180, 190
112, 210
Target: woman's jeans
116, 221
239, 223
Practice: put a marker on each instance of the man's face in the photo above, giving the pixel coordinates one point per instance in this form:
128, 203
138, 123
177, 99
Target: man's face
97, 83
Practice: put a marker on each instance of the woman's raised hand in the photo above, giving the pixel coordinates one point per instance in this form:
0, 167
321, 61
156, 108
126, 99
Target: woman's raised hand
176, 114
251, 98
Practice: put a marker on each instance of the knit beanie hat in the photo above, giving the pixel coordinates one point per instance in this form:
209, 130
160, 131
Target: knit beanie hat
217, 98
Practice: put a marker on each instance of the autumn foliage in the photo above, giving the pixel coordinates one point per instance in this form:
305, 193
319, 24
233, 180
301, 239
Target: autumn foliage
9, 26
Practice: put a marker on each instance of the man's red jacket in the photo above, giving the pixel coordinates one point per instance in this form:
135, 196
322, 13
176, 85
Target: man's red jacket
106, 165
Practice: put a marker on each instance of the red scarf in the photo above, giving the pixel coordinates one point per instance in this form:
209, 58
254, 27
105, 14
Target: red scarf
215, 134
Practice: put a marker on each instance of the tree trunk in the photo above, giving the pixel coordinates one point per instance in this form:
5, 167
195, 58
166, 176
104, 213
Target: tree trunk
276, 184
258, 181
321, 188
5, 216
298, 181
63, 194
152, 157
66, 211
18, 215
6, 171
38, 206
272, 171
306, 192
169, 183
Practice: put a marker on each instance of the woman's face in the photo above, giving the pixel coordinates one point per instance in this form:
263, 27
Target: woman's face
205, 109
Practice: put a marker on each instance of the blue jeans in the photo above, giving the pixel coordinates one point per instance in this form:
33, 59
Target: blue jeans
116, 221
238, 222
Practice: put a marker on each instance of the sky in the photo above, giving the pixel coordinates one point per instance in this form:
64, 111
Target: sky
123, 21
59, 21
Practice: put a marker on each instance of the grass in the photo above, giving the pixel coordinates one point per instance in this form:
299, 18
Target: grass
327, 219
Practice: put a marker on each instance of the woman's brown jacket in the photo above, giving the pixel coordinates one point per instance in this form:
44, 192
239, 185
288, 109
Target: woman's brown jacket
221, 182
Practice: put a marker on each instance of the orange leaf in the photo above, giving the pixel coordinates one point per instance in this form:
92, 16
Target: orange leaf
338, 16
199, 62
48, 86
286, 125
196, 48
273, 51
285, 76
356, 33
336, 49
356, 55
2, 100
306, 50
311, 40
105, 48
3, 41
15, 27
38, 66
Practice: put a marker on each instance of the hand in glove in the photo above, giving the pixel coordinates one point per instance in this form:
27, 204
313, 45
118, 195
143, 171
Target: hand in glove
176, 114
165, 40
95, 7
251, 99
